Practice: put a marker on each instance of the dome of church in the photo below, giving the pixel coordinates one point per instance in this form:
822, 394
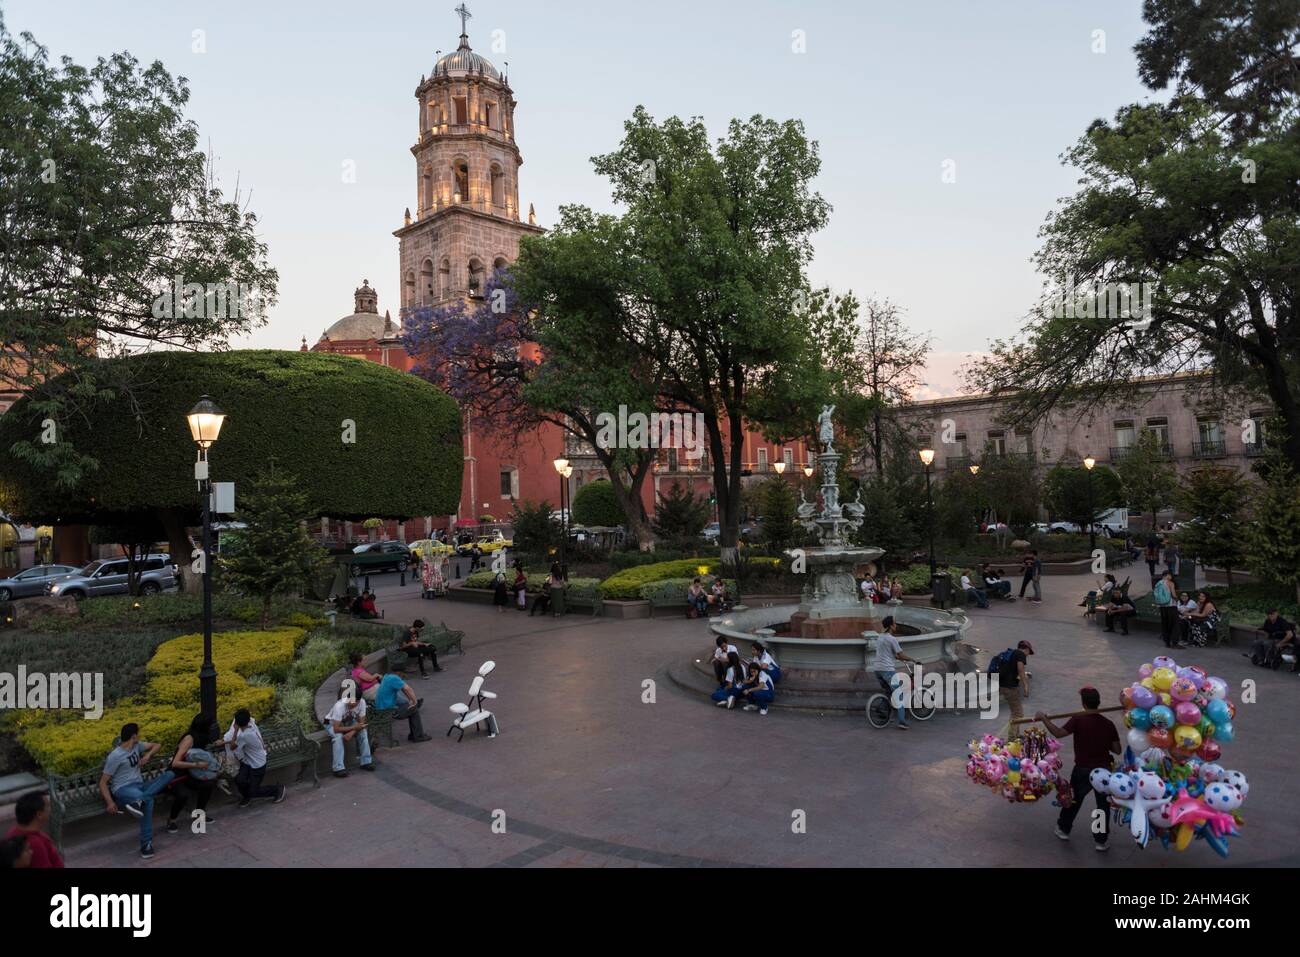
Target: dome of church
463, 60
358, 326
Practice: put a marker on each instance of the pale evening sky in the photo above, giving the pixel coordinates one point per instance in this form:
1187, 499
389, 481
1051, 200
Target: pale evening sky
286, 92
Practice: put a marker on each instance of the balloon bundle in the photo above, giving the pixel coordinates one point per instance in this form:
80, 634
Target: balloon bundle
1024, 769
1170, 783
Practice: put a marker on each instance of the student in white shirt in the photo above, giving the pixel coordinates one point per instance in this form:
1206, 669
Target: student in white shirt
720, 654
732, 682
763, 658
246, 739
347, 720
758, 691
868, 590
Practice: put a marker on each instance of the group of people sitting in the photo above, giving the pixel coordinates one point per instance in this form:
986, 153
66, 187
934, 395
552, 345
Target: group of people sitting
699, 598
880, 590
985, 583
1184, 621
502, 592
752, 682
363, 606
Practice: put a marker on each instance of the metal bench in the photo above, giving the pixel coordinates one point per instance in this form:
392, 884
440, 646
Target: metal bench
76, 797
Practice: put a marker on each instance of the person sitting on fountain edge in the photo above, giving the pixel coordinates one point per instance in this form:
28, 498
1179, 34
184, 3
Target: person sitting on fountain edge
763, 658
733, 681
757, 690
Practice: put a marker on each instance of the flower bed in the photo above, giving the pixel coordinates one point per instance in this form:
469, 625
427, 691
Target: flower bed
626, 585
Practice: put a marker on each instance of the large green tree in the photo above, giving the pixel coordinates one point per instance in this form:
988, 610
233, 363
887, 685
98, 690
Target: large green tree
329, 419
1075, 494
1149, 480
1274, 536
1195, 195
107, 203
701, 274
892, 359
273, 554
1217, 534
596, 503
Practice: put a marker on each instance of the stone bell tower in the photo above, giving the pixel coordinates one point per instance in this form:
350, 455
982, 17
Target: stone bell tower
467, 219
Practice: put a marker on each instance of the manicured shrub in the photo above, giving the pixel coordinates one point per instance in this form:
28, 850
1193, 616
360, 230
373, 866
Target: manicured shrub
626, 585
596, 504
674, 589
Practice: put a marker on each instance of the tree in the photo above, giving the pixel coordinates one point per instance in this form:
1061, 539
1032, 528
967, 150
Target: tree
273, 555
702, 277
892, 358
1012, 488
535, 532
136, 539
110, 213
780, 514
1217, 534
514, 366
1195, 197
1072, 493
959, 504
597, 504
1148, 478
680, 517
328, 418
1274, 537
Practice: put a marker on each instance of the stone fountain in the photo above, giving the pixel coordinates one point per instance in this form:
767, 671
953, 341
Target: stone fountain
825, 643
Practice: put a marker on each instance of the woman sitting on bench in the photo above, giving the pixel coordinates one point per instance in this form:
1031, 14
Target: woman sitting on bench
698, 600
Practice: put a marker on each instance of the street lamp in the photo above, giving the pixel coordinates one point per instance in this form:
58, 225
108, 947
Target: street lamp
205, 421
808, 471
974, 470
564, 470
1088, 464
927, 459
780, 468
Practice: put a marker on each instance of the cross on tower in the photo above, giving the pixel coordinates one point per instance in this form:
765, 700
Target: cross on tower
464, 16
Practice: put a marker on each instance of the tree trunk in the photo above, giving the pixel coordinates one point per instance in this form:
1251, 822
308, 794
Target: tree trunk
182, 549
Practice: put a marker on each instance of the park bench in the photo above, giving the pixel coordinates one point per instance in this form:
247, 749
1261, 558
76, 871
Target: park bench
443, 640
1148, 612
76, 797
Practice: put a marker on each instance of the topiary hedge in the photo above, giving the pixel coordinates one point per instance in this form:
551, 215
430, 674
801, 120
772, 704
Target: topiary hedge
674, 589
626, 585
290, 406
596, 504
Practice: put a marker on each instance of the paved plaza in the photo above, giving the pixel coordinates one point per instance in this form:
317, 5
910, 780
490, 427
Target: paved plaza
586, 774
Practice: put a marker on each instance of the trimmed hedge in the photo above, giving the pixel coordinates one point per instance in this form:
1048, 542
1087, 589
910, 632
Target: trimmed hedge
280, 404
596, 504
626, 585
174, 608
674, 589
62, 743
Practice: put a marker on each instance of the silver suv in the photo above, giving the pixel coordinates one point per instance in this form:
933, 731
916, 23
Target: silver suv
107, 576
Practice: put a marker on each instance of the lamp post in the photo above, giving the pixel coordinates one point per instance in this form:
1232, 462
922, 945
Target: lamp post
564, 470
927, 459
1088, 464
780, 467
205, 421
808, 471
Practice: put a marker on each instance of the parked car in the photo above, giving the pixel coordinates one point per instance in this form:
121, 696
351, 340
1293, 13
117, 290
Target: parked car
33, 580
711, 532
108, 576
485, 543
1058, 528
430, 548
380, 557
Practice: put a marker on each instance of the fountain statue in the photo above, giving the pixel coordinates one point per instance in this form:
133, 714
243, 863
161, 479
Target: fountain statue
825, 643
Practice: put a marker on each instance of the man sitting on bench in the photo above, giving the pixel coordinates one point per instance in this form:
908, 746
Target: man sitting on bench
408, 709
1119, 609
698, 600
417, 649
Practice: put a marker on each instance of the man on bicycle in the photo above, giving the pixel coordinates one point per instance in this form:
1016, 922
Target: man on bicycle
885, 663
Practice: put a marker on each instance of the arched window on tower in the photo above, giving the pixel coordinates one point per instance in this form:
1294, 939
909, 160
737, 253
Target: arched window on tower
498, 186
475, 278
426, 192
444, 278
408, 288
426, 282
432, 114
499, 264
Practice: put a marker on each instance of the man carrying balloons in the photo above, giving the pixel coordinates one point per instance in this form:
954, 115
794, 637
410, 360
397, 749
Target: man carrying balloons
1095, 740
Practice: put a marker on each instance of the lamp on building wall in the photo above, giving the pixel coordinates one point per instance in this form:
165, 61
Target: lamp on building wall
205, 421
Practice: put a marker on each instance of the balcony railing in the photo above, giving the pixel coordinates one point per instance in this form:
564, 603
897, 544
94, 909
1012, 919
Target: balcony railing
1255, 449
1209, 450
1118, 454
957, 461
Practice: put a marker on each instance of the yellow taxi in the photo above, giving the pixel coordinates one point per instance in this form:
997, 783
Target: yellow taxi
428, 548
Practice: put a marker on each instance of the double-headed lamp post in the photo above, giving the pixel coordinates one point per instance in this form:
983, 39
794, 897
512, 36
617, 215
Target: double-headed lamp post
564, 470
205, 421
1089, 463
927, 459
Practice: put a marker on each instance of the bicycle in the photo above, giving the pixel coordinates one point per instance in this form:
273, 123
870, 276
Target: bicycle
880, 706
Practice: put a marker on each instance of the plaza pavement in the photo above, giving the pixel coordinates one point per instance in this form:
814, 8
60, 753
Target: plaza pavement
588, 775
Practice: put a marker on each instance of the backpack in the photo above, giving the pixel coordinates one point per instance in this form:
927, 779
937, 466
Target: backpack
998, 660
199, 756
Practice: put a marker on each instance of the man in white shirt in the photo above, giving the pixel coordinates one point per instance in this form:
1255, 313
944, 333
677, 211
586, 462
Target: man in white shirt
246, 740
720, 657
868, 589
976, 594
885, 664
347, 720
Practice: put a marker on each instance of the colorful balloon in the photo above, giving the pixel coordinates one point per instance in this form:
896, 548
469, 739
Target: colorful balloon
1221, 796
1210, 751
1139, 718
1187, 738
1160, 738
1138, 740
1217, 711
1144, 697
1183, 689
1223, 733
1187, 713
1162, 678
1162, 716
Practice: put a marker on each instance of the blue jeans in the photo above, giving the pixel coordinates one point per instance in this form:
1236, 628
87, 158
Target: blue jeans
363, 747
700, 603
889, 678
724, 692
981, 599
774, 673
761, 698
143, 795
